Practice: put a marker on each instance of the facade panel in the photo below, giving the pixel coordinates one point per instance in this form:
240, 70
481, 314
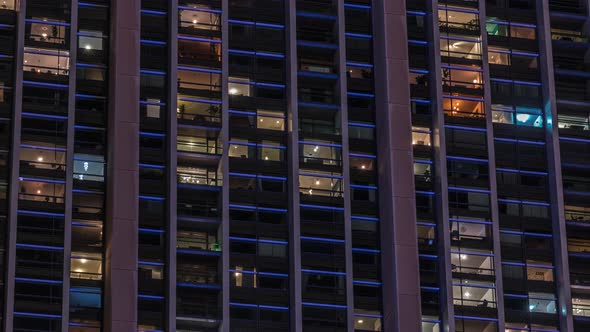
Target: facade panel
294, 165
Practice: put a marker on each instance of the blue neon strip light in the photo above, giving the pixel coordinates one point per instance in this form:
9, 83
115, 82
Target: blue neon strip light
50, 85
216, 11
319, 239
152, 42
38, 213
41, 180
34, 315
317, 45
44, 116
364, 218
152, 166
152, 12
150, 263
332, 273
144, 133
363, 155
205, 40
324, 305
483, 191
366, 251
150, 297
366, 283
63, 24
358, 186
151, 198
358, 35
320, 207
413, 12
318, 75
358, 64
359, 94
37, 246
197, 285
85, 96
39, 281
149, 230
351, 5
316, 15
263, 54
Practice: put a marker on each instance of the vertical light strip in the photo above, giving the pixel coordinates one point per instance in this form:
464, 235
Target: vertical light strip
68, 195
440, 170
295, 307
343, 88
554, 176
492, 169
171, 135
225, 222
13, 187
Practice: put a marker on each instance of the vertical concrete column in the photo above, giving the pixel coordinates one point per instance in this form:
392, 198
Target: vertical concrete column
171, 135
293, 178
343, 94
68, 194
439, 144
554, 176
400, 274
13, 185
492, 168
120, 307
225, 222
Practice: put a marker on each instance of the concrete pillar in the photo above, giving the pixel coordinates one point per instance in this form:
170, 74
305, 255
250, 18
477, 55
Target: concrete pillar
400, 273
120, 307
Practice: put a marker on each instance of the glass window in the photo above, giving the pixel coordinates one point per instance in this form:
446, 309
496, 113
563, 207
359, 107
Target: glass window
420, 136
320, 154
472, 264
460, 48
86, 266
474, 294
463, 108
46, 61
458, 19
91, 40
88, 167
522, 32
7, 4
542, 302
270, 120
498, 58
320, 185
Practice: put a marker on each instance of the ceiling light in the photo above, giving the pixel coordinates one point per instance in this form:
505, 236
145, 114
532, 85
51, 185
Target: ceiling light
233, 91
39, 158
523, 117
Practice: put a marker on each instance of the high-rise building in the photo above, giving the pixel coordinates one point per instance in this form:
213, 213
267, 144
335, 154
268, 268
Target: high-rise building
294, 165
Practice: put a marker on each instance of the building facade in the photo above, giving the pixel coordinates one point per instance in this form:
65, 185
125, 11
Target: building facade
294, 165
